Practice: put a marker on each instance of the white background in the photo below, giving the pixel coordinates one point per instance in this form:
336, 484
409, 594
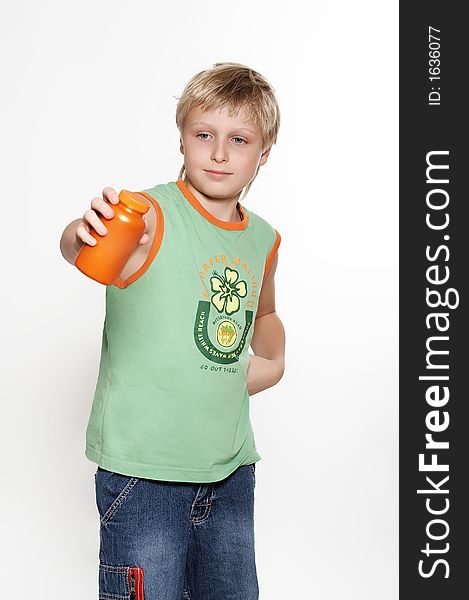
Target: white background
88, 100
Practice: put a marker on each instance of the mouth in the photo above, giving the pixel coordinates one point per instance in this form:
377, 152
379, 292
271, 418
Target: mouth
212, 172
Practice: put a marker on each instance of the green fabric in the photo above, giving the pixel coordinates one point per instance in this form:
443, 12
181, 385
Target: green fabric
171, 400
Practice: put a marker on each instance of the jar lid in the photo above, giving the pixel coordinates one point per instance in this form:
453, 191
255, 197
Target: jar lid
130, 199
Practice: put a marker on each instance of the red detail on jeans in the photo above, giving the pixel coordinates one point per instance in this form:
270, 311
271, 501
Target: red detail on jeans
135, 579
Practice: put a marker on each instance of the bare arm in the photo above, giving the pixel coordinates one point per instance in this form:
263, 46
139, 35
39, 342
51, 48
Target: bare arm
266, 366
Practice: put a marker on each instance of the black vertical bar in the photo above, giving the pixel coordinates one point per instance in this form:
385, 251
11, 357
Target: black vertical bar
433, 260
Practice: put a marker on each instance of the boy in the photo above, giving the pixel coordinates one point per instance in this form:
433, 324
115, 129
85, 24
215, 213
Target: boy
169, 426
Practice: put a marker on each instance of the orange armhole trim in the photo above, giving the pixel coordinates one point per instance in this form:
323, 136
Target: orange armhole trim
120, 283
272, 253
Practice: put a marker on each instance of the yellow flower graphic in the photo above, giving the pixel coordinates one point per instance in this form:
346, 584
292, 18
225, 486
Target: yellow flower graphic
228, 290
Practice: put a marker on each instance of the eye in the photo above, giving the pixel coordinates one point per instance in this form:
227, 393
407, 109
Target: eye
199, 134
242, 141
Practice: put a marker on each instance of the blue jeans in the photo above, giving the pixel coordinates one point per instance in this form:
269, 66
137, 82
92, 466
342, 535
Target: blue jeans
165, 540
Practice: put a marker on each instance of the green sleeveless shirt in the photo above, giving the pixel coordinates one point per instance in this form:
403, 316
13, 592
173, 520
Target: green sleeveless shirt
171, 400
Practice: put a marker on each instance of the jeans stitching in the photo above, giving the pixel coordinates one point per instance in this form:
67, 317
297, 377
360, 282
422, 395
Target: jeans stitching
122, 569
253, 471
118, 501
204, 517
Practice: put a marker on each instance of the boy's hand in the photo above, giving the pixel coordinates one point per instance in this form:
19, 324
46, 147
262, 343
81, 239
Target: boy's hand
92, 220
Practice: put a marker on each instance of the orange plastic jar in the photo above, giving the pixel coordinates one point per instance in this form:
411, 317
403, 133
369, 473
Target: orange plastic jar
105, 260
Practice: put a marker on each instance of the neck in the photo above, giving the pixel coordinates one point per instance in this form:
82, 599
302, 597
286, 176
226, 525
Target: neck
224, 209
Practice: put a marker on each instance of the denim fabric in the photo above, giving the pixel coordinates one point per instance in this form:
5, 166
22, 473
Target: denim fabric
164, 540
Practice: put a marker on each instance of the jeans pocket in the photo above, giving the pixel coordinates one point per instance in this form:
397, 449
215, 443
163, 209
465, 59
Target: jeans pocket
112, 490
119, 582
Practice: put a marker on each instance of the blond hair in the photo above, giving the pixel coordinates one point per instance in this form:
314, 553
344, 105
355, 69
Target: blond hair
232, 86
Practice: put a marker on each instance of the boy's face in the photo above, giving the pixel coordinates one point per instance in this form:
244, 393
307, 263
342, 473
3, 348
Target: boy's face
213, 141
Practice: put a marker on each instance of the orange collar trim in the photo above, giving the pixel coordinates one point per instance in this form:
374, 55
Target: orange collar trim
208, 215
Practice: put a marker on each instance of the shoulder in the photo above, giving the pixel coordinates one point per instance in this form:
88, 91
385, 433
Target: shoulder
270, 241
160, 197
161, 191
142, 256
257, 219
262, 227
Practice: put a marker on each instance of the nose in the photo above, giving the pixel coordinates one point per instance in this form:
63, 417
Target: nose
219, 152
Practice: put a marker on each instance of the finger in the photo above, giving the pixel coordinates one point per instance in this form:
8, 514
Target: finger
111, 195
92, 218
84, 235
144, 239
103, 207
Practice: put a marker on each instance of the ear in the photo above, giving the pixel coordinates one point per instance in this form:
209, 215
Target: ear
181, 147
265, 155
